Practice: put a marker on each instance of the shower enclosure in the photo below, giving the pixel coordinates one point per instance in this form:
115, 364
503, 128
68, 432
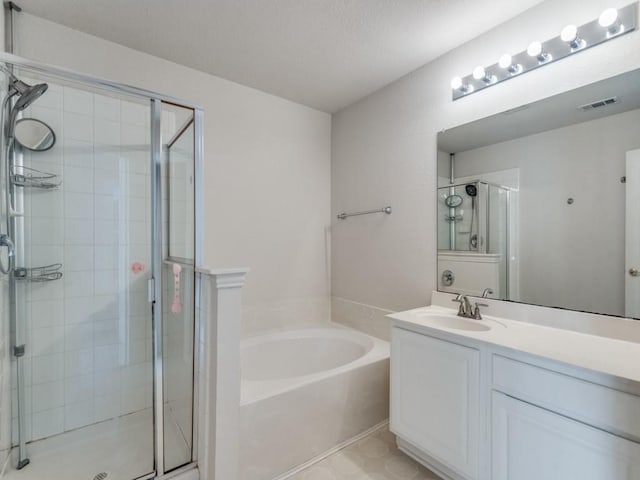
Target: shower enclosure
473, 237
98, 248
474, 216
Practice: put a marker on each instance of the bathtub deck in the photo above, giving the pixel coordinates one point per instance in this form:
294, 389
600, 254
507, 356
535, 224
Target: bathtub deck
374, 457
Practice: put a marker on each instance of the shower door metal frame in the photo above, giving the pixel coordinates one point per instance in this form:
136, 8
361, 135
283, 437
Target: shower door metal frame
155, 293
156, 282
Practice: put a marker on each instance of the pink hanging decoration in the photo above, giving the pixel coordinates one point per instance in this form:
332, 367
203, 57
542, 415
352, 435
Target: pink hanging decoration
137, 267
176, 306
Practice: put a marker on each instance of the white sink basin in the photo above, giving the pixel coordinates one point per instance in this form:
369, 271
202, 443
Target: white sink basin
455, 323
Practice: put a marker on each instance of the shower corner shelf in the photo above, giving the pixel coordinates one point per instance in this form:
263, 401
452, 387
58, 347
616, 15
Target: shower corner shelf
47, 273
30, 177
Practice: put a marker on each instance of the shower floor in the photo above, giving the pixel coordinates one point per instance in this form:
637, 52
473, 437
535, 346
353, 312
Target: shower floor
121, 447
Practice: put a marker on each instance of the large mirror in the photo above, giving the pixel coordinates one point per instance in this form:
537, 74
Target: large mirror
541, 204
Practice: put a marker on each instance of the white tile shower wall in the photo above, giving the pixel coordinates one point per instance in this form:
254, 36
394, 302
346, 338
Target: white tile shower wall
88, 335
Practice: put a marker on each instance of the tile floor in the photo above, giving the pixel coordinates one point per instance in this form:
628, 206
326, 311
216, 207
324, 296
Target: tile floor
374, 457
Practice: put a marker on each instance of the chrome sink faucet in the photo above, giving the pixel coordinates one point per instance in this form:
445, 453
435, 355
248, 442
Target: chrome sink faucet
466, 310
486, 292
465, 305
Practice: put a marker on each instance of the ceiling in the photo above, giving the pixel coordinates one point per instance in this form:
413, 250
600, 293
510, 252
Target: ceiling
325, 54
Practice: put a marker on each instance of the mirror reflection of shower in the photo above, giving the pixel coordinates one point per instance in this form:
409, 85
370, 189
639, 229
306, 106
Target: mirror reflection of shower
474, 232
475, 213
472, 191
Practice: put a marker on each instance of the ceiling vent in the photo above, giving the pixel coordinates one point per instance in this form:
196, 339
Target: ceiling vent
600, 103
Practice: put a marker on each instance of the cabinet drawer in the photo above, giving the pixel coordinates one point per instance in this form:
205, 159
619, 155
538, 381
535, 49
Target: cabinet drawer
611, 410
530, 443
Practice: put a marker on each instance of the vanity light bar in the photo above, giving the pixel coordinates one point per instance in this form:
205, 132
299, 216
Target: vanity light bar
611, 24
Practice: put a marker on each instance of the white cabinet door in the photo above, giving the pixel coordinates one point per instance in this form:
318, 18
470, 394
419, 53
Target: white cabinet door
530, 443
434, 398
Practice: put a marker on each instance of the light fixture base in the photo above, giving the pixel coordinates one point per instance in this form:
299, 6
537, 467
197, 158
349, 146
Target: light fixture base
588, 35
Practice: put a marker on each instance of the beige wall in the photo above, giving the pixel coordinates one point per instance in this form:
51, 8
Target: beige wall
267, 162
384, 149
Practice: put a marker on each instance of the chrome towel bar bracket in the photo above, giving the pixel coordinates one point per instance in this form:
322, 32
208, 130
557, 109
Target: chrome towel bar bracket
344, 215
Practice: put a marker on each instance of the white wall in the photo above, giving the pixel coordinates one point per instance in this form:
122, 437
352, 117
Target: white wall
267, 165
572, 255
384, 150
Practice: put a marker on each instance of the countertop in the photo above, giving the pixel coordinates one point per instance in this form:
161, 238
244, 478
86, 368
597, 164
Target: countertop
599, 354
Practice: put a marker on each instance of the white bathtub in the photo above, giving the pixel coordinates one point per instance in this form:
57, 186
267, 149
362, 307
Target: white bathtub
306, 391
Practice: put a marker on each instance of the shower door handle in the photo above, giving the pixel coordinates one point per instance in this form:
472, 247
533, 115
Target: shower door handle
5, 241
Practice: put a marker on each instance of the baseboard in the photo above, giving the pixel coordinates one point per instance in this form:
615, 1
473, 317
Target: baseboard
330, 452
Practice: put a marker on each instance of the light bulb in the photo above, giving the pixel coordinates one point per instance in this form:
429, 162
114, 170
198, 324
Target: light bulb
608, 18
479, 73
534, 49
505, 61
458, 84
569, 33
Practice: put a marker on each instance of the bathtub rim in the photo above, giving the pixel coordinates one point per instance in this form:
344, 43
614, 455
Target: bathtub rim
253, 391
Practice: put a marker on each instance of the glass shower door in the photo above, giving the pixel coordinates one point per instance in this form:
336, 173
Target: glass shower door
83, 319
178, 206
99, 375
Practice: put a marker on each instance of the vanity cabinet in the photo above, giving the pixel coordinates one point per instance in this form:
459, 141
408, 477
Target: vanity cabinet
472, 411
531, 443
435, 388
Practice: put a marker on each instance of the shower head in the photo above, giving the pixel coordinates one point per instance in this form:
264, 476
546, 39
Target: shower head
28, 93
471, 190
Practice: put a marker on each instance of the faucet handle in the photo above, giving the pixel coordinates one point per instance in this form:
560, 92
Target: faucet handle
476, 311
